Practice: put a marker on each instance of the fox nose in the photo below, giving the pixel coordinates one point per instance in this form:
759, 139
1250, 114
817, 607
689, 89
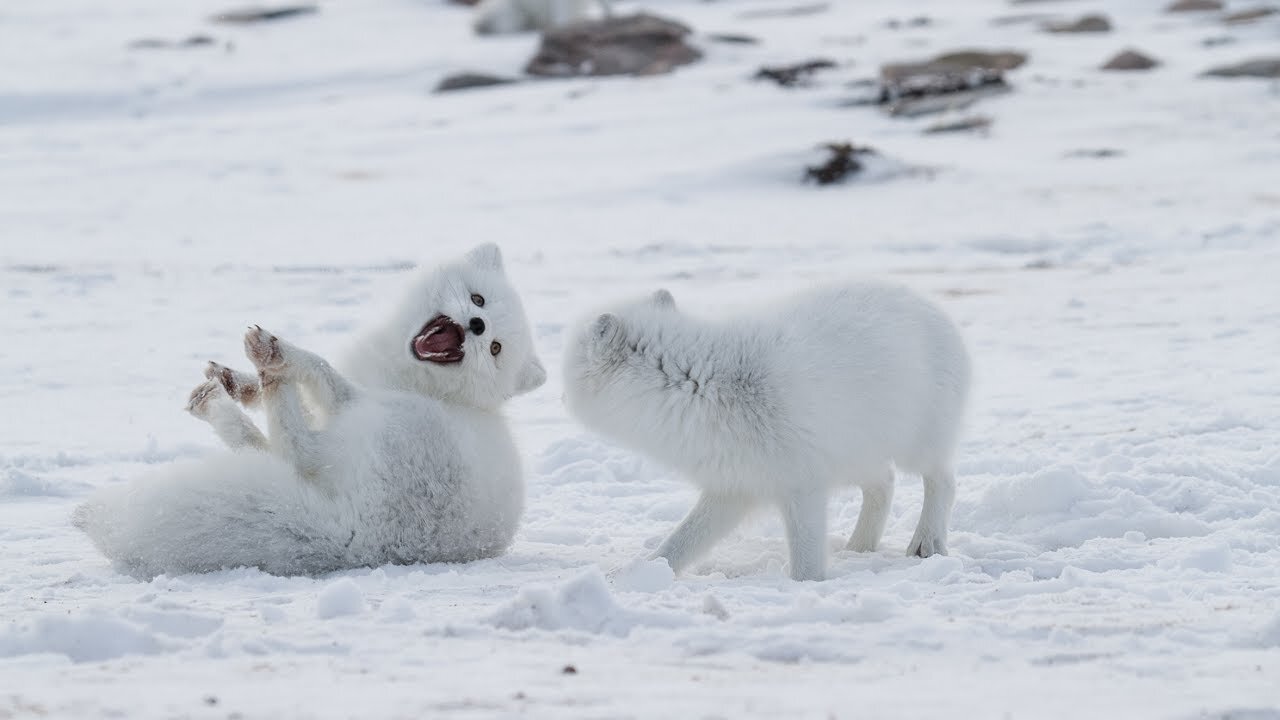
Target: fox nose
476, 325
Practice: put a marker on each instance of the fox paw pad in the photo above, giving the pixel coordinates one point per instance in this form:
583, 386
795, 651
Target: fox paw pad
205, 394
263, 350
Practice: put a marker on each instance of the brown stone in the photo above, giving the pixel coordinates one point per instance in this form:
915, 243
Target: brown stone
795, 74
949, 81
733, 38
960, 124
1130, 60
1247, 16
958, 62
640, 44
194, 41
1268, 67
1195, 6
842, 161
248, 15
466, 81
1085, 24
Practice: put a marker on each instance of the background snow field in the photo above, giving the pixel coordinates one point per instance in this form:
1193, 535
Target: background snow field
1114, 548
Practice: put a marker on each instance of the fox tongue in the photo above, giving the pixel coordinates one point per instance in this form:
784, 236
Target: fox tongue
435, 342
439, 341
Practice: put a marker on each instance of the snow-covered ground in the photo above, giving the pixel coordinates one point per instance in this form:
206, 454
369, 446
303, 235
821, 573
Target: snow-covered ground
1115, 540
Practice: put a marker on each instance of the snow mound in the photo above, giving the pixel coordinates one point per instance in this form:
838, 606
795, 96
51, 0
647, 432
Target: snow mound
341, 597
92, 638
1269, 635
644, 576
16, 483
583, 603
1050, 491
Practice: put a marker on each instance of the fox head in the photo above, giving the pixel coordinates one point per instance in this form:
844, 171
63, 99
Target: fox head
615, 362
461, 336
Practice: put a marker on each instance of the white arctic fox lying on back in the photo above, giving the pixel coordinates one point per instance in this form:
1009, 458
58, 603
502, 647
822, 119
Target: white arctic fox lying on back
413, 464
832, 387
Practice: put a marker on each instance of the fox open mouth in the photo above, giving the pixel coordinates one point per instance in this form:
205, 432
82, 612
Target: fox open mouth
439, 341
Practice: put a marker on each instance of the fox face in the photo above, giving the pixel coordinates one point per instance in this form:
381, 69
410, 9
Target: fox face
463, 335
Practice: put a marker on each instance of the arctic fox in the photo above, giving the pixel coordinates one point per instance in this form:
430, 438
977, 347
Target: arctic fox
404, 459
505, 17
833, 387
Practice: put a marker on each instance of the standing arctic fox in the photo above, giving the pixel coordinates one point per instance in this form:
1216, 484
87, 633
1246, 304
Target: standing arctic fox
405, 459
832, 387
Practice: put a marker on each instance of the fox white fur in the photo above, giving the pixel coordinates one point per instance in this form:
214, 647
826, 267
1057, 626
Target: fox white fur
399, 460
779, 406
505, 17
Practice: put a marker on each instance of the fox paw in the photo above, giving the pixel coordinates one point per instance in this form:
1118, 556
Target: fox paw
242, 387
263, 350
927, 544
203, 397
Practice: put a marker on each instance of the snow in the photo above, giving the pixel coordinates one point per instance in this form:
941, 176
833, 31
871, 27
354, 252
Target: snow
341, 597
1117, 527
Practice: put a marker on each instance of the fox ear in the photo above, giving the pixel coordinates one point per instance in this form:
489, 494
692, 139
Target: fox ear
664, 299
486, 256
531, 376
606, 328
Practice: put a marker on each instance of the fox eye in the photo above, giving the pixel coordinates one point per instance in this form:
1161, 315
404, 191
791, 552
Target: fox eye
495, 347
479, 301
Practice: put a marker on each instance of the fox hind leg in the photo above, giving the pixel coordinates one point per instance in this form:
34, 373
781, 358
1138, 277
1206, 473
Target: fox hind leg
939, 495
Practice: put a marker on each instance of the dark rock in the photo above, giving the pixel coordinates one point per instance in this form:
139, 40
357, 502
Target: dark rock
792, 75
568, 670
162, 44
915, 22
842, 162
1195, 6
1020, 19
1098, 153
247, 15
465, 81
950, 81
640, 44
1218, 41
792, 11
961, 124
733, 39
1085, 24
1130, 60
954, 63
1251, 15
1257, 67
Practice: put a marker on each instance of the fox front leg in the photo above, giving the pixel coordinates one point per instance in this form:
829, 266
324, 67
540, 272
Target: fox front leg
713, 517
211, 403
291, 434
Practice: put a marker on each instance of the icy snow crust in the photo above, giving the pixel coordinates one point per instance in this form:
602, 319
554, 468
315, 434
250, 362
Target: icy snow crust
1114, 546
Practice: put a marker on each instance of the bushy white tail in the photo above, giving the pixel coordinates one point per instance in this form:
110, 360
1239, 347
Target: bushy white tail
243, 509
